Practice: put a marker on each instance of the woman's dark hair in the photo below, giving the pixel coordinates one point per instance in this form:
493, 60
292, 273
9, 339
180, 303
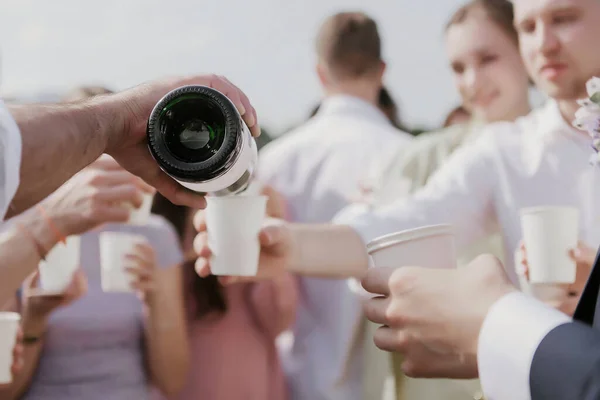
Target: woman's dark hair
388, 105
206, 293
499, 11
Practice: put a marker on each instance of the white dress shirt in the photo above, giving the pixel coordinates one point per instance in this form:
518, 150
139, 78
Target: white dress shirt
318, 167
537, 160
511, 333
10, 158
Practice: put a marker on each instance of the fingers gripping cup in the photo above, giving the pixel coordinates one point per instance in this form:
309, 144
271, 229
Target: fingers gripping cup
9, 326
140, 216
429, 246
61, 263
233, 224
549, 233
113, 248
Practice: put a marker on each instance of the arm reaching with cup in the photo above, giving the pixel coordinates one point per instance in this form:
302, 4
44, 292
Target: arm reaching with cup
165, 327
316, 250
94, 196
584, 257
278, 240
35, 310
460, 194
115, 124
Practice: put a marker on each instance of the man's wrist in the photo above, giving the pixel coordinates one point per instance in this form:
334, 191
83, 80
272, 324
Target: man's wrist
34, 325
45, 239
110, 114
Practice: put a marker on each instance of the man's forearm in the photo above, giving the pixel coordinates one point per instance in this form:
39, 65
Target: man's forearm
329, 251
58, 140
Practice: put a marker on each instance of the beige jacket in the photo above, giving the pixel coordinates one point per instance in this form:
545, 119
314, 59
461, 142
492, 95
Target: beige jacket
408, 170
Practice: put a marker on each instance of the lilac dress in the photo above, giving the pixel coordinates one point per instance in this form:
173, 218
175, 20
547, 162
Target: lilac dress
94, 348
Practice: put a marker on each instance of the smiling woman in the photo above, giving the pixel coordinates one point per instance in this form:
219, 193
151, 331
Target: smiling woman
486, 64
482, 48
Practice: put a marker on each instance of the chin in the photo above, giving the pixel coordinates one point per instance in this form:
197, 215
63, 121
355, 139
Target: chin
564, 90
492, 113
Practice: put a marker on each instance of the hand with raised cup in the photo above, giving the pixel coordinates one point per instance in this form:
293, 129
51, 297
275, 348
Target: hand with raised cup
275, 241
141, 264
584, 257
98, 194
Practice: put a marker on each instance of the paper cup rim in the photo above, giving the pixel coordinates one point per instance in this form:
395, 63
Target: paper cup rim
408, 235
10, 316
235, 198
542, 209
133, 235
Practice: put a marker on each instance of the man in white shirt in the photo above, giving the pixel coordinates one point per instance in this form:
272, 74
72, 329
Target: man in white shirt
318, 168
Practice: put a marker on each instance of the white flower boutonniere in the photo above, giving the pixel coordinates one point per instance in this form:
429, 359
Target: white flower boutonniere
587, 118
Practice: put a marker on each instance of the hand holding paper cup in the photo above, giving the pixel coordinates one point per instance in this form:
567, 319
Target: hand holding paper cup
561, 296
140, 216
114, 246
549, 233
429, 246
9, 329
56, 273
233, 224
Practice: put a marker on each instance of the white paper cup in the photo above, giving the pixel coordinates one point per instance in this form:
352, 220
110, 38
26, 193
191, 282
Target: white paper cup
61, 263
233, 224
547, 292
429, 246
140, 216
549, 233
9, 326
113, 248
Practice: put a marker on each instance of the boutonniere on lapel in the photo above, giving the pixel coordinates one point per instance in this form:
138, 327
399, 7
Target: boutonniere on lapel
587, 118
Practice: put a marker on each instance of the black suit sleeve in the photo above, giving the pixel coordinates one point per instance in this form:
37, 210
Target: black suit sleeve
566, 364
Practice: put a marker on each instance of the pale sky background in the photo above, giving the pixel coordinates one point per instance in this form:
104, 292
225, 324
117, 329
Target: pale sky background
264, 46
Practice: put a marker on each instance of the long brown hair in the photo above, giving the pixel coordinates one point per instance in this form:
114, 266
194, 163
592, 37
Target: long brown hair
206, 294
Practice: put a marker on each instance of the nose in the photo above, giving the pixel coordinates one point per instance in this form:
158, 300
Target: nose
472, 80
547, 41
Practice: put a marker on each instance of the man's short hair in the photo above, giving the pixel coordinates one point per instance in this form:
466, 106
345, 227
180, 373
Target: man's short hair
349, 44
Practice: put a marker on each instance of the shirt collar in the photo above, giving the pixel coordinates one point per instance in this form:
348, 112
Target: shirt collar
350, 105
553, 125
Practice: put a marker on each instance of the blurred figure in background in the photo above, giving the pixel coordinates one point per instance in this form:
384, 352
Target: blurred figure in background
317, 168
483, 51
85, 343
458, 116
232, 329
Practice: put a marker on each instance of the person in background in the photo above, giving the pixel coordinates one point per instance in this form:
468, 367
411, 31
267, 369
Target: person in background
232, 330
483, 51
318, 168
85, 343
458, 116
